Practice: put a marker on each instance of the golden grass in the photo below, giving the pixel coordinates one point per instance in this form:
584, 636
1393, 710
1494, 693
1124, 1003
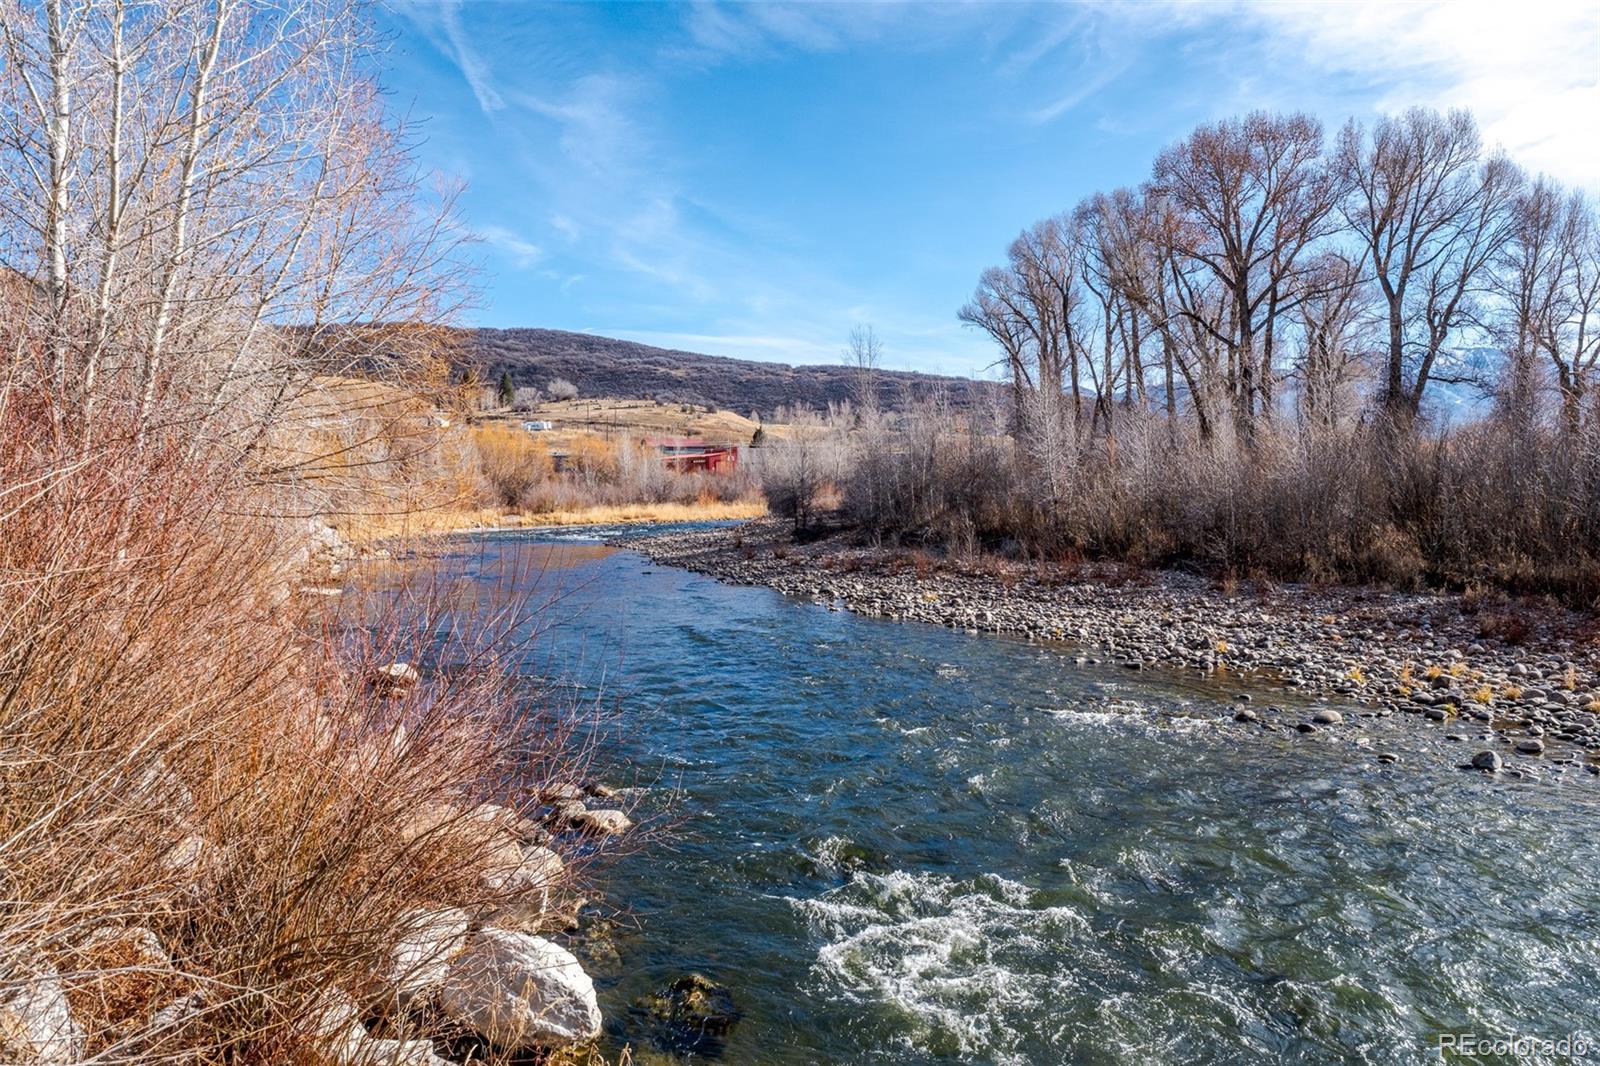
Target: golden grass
617, 418
370, 530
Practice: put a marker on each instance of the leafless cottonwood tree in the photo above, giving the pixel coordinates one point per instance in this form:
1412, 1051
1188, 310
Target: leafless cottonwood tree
1347, 283
1333, 357
215, 207
864, 356
1551, 296
1253, 195
1432, 211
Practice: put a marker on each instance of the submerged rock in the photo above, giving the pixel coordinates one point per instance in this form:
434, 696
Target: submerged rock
693, 1014
1486, 760
520, 991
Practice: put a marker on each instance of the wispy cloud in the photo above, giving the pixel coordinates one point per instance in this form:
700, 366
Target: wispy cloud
1060, 106
565, 226
1530, 71
521, 251
466, 58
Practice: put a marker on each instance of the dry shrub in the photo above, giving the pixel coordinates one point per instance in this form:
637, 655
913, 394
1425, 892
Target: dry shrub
519, 474
202, 795
1511, 505
593, 460
514, 463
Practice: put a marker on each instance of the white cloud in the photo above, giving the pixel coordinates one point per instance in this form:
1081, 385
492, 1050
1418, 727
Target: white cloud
1060, 106
565, 226
466, 58
520, 250
1530, 71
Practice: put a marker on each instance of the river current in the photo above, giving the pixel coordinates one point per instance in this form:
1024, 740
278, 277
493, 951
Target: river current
897, 843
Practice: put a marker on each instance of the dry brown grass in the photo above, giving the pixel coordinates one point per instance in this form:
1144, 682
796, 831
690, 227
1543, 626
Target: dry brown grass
1495, 503
619, 418
203, 796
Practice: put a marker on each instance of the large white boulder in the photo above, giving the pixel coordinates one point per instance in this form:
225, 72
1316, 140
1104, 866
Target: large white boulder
363, 1049
419, 960
599, 822
528, 889
346, 1041
520, 991
35, 1026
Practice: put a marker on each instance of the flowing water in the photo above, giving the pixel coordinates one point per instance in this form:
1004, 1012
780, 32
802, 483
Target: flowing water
901, 844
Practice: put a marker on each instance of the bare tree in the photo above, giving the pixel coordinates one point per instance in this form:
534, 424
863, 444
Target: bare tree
1253, 195
1432, 213
1138, 233
213, 196
1033, 308
1331, 320
1549, 273
864, 356
562, 389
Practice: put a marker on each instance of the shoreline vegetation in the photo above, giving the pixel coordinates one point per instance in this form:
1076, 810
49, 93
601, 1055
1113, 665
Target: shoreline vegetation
374, 531
1517, 683
245, 821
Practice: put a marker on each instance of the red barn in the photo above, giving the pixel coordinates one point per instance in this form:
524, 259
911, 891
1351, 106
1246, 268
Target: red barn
691, 454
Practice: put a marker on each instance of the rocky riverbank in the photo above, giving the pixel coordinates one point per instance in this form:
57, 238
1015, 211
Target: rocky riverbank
1518, 684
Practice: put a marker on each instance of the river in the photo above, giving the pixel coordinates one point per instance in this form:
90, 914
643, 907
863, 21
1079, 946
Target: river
903, 844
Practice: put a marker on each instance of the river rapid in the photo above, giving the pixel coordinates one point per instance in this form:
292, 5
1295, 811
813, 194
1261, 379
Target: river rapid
897, 843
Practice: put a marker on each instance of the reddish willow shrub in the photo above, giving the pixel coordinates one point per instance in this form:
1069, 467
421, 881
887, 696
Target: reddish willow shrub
188, 749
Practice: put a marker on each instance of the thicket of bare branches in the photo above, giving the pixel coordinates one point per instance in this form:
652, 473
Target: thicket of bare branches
206, 206
227, 835
1236, 364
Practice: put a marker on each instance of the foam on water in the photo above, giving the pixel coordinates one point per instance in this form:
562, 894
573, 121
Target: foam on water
958, 958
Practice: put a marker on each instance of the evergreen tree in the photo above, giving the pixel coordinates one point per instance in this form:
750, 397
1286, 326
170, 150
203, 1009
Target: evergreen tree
508, 391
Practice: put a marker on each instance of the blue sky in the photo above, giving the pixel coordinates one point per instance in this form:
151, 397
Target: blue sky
753, 180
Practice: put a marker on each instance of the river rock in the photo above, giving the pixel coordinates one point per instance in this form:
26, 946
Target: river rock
518, 870
417, 964
1530, 746
1327, 717
1486, 760
560, 792
35, 1024
692, 1014
601, 822
520, 991
1245, 714
528, 890
395, 678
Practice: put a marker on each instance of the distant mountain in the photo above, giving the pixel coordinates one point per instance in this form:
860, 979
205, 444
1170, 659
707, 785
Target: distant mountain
603, 366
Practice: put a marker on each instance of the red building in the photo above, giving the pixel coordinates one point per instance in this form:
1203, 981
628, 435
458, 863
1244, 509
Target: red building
691, 454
